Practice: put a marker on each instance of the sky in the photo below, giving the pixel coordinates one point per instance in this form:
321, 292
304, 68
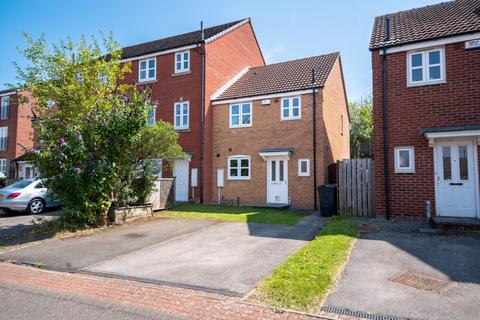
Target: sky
285, 30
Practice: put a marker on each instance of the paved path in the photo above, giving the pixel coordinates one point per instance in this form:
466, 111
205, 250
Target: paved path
74, 296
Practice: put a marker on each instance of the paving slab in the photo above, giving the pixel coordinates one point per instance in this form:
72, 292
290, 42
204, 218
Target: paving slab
229, 257
84, 251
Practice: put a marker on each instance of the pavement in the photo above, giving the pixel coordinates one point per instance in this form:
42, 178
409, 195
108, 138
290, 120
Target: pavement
225, 257
383, 253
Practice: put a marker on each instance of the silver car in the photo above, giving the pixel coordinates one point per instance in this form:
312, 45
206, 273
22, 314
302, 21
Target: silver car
26, 195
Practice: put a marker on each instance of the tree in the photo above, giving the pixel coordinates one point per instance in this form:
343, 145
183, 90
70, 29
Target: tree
361, 118
96, 139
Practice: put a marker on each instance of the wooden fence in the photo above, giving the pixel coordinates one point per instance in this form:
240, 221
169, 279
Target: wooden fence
355, 187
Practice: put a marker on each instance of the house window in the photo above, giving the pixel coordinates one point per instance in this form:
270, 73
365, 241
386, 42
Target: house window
291, 108
239, 168
182, 61
146, 69
404, 160
3, 166
426, 67
151, 115
50, 104
5, 108
303, 167
3, 138
181, 115
241, 115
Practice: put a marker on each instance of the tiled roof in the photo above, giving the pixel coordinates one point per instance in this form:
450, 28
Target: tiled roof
431, 22
281, 77
175, 41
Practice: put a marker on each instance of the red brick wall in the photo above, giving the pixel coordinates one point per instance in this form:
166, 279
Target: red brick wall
454, 103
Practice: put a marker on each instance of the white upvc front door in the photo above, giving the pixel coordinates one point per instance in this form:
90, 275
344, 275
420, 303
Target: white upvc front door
277, 180
455, 179
180, 172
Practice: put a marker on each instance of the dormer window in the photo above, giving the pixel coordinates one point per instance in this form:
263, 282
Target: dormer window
182, 61
147, 70
426, 67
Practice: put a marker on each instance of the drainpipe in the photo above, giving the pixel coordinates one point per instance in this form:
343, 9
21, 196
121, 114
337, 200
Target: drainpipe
202, 103
314, 127
385, 123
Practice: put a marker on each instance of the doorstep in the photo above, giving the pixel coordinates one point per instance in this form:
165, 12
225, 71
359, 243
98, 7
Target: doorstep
454, 221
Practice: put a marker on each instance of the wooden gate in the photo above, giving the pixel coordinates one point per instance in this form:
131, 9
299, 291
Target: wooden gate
355, 187
163, 194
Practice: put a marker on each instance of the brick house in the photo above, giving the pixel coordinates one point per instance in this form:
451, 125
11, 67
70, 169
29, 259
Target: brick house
16, 135
183, 71
426, 101
263, 137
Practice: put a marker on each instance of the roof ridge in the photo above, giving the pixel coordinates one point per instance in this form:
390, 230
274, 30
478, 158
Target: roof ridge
294, 60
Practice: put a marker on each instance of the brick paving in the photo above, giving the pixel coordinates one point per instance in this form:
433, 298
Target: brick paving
179, 302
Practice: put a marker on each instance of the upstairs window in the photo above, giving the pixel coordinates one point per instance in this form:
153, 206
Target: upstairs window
3, 138
291, 108
147, 69
181, 115
241, 115
182, 61
5, 108
239, 168
426, 67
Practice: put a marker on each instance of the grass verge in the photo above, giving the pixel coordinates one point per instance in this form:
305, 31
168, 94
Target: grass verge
304, 279
230, 213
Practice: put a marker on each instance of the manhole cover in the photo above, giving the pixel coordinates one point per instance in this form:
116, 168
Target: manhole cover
422, 281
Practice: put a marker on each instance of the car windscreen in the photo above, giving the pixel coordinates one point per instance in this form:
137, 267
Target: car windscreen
20, 184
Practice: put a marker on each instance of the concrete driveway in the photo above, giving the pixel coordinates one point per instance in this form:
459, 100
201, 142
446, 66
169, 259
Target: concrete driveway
380, 255
226, 257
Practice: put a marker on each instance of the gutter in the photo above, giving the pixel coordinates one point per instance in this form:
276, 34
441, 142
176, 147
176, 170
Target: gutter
386, 163
314, 142
202, 124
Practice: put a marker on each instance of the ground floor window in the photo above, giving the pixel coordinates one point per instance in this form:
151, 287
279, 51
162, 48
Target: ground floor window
26, 170
303, 167
239, 168
404, 160
3, 166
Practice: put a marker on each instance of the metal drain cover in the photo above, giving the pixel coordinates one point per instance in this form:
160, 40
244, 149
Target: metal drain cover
357, 314
422, 281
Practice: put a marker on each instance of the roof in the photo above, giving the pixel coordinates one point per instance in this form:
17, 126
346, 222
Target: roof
177, 41
449, 129
8, 91
431, 22
277, 150
281, 77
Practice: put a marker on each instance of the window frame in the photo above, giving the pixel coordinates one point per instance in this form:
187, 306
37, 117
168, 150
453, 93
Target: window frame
4, 129
411, 168
426, 67
5, 108
300, 172
182, 126
147, 69
290, 108
239, 167
241, 114
182, 61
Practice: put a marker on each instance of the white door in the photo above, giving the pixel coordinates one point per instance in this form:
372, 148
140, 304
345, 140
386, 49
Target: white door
455, 179
180, 172
277, 180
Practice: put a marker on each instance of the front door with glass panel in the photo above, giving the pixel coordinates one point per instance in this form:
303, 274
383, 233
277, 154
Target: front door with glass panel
455, 180
277, 179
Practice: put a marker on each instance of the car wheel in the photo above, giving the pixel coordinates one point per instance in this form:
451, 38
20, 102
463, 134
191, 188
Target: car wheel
36, 206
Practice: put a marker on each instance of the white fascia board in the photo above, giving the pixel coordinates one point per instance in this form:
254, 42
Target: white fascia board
266, 96
218, 35
229, 83
159, 53
432, 43
8, 93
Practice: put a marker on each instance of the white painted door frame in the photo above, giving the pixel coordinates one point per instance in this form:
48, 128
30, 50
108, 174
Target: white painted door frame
284, 194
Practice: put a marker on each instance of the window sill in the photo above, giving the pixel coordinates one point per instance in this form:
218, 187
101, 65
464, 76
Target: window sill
430, 83
238, 179
404, 171
182, 129
290, 119
181, 73
240, 127
146, 81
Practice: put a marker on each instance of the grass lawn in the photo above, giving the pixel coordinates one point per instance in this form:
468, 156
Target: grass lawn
302, 281
230, 213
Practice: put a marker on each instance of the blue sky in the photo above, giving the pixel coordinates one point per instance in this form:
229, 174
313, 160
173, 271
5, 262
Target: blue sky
285, 29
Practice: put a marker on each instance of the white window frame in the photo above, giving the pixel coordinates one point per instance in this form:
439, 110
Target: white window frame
300, 172
147, 69
290, 108
153, 116
3, 138
182, 61
426, 67
241, 114
411, 168
5, 108
239, 167
3, 166
182, 126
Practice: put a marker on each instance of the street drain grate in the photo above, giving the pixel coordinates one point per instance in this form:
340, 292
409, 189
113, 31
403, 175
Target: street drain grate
357, 314
422, 281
